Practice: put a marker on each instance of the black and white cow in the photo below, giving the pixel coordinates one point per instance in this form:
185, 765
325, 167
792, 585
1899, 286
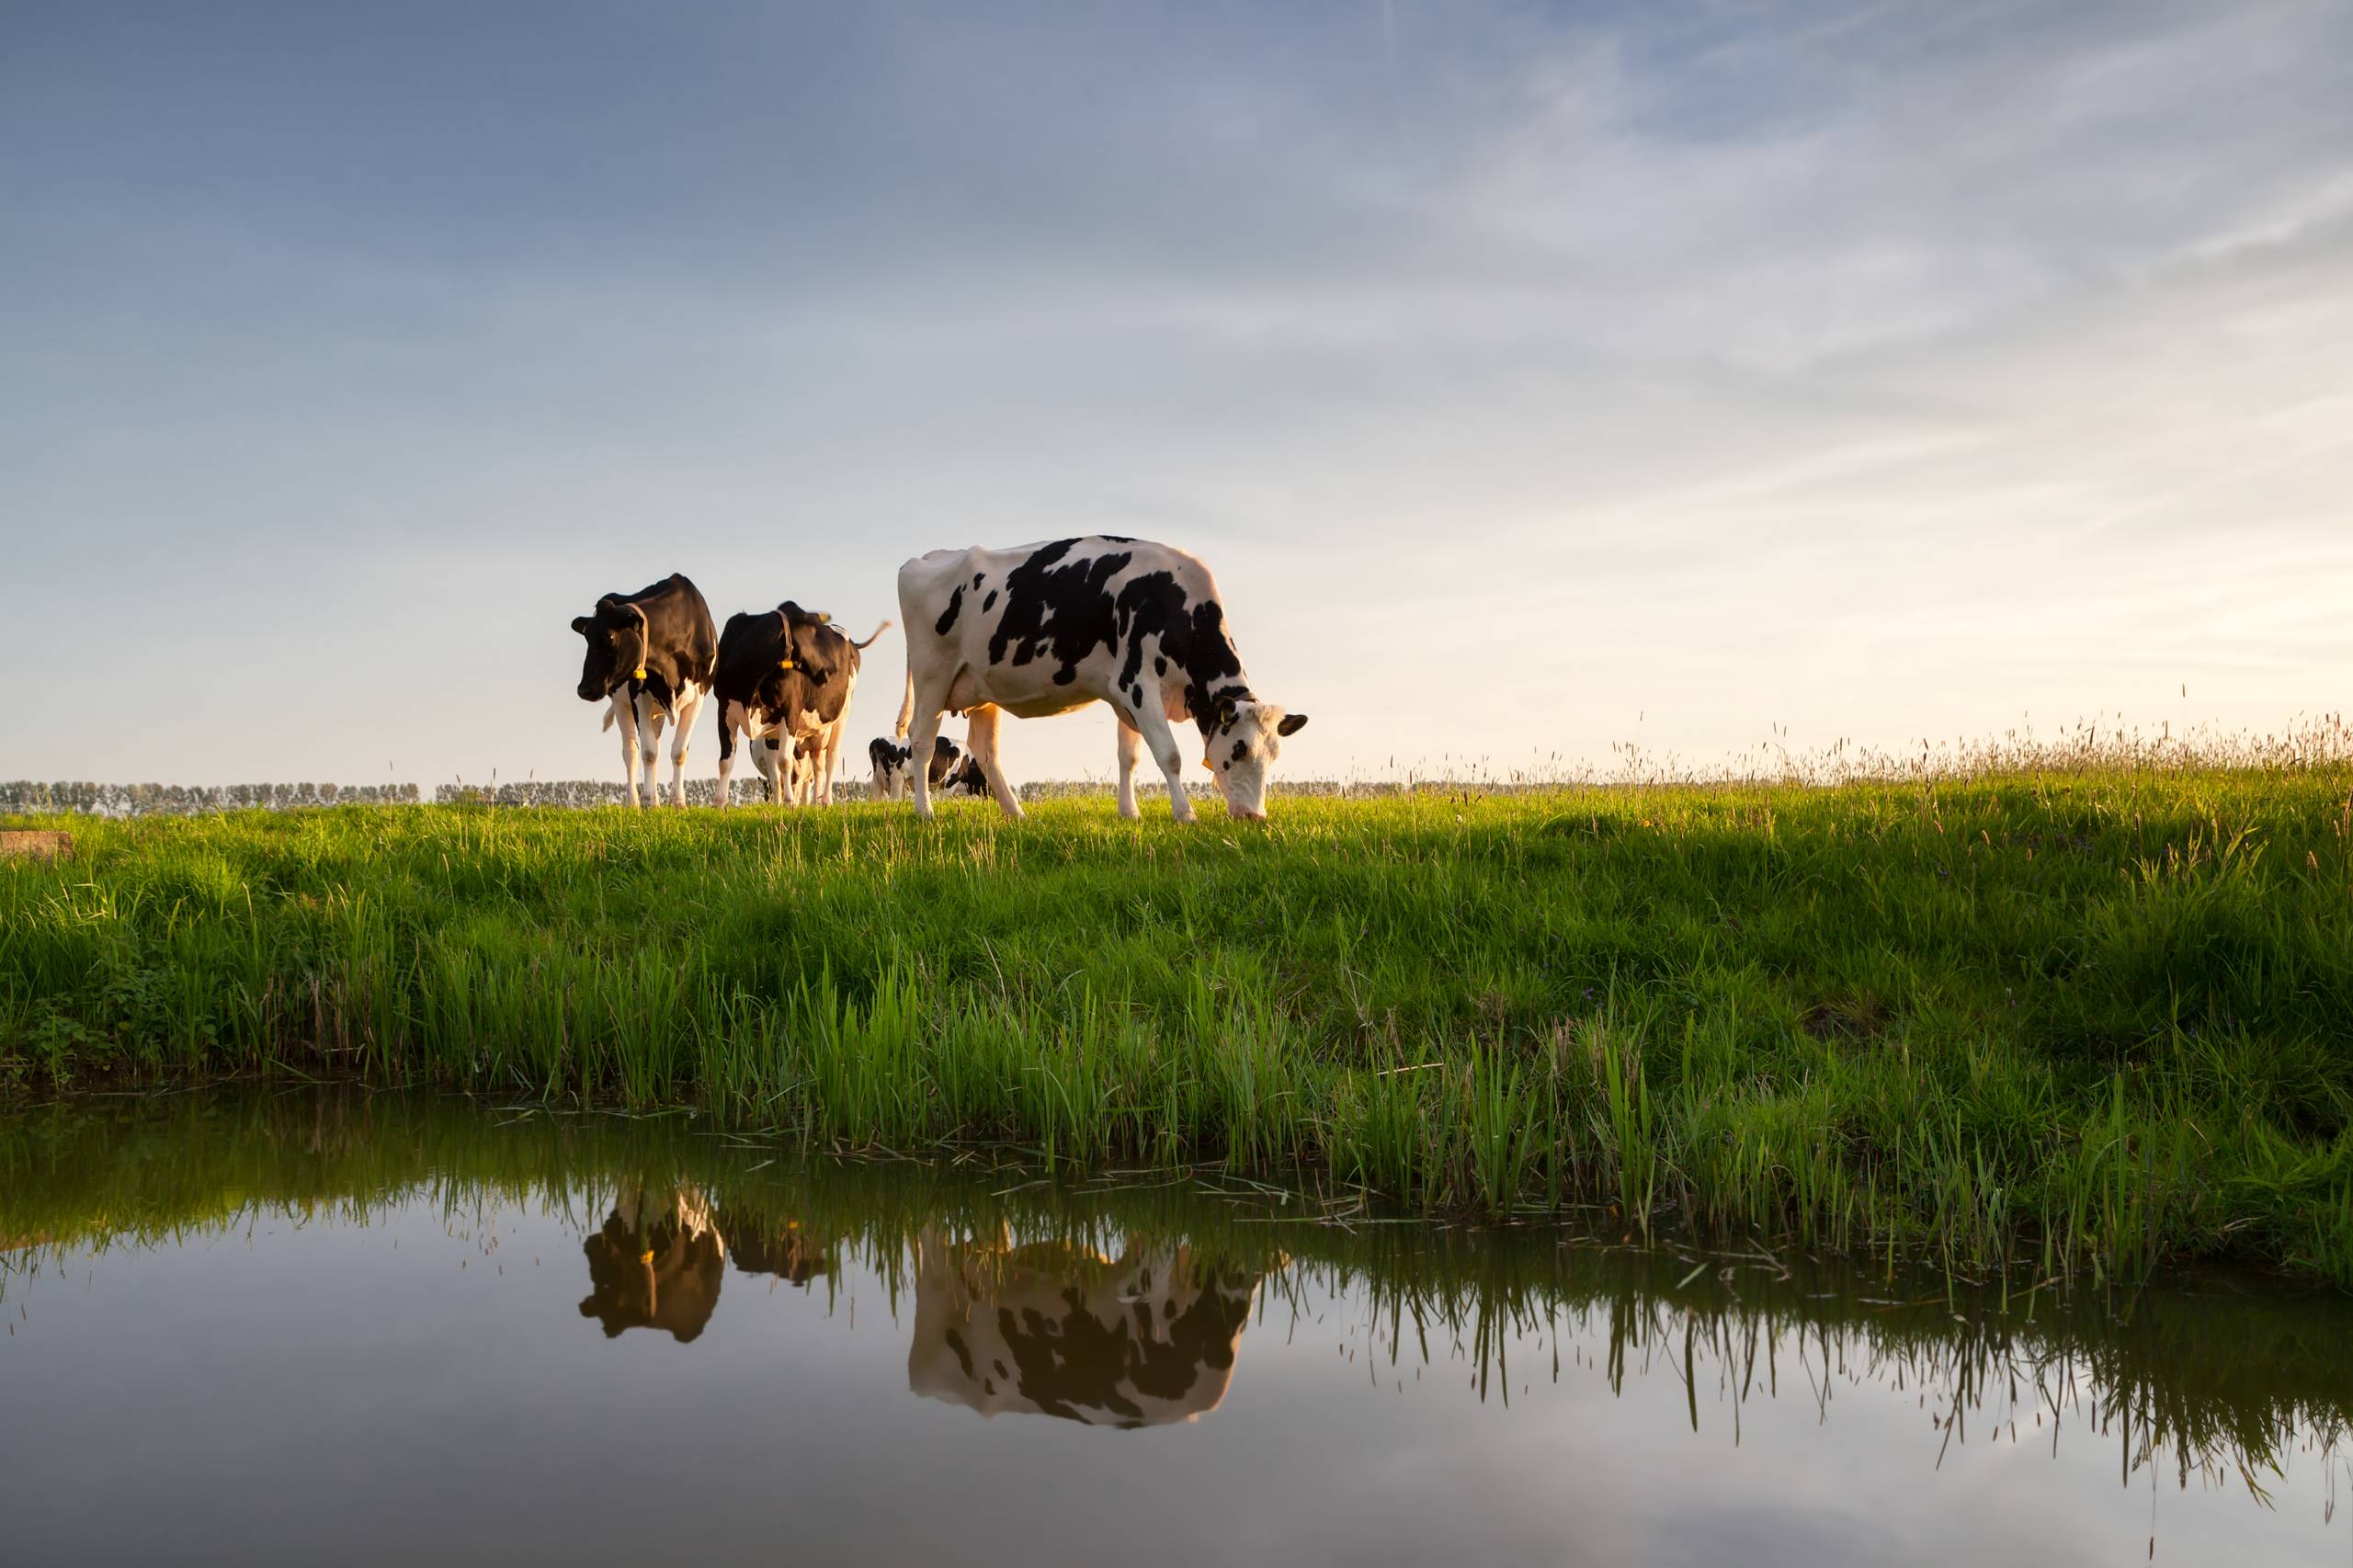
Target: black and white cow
650, 656
1047, 628
965, 778
890, 762
784, 681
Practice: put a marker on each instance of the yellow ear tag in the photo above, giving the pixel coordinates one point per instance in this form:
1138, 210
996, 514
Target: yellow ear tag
1208, 765
645, 1257
784, 664
640, 673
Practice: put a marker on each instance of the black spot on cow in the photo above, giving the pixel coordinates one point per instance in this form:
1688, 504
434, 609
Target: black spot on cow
963, 1351
1061, 612
976, 578
990, 603
1241, 750
948, 615
1194, 635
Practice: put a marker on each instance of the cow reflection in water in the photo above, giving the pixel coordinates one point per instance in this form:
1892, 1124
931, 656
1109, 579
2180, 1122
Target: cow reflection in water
659, 1260
1061, 1330
656, 1263
778, 1247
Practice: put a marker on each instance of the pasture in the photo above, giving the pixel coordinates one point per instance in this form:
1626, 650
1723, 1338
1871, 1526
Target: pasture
2064, 1020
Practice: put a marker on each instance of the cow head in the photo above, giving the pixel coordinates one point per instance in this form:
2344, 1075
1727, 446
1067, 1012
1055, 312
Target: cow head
616, 635
1244, 735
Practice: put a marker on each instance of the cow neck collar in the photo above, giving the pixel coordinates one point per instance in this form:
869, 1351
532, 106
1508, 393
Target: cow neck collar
654, 666
645, 639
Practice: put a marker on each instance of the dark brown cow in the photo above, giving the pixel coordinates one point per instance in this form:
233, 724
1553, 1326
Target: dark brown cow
650, 656
784, 681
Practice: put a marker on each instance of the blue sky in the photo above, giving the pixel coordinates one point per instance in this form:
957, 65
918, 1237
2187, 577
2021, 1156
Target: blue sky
1534, 378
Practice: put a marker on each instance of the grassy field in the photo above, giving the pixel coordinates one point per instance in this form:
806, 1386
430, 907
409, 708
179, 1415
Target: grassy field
2065, 1019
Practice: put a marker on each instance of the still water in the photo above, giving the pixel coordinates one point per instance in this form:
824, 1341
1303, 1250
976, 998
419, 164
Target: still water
334, 1327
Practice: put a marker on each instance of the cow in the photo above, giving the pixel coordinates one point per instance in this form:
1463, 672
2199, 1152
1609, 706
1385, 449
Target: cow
1047, 628
965, 778
650, 657
890, 762
656, 1263
784, 680
1054, 1329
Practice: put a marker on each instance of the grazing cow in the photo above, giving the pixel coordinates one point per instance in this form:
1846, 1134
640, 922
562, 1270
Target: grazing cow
656, 1263
1048, 628
891, 765
784, 680
965, 778
1058, 1330
650, 655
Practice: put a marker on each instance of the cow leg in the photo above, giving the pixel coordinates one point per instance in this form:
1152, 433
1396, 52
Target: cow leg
731, 718
791, 767
981, 742
1166, 751
1130, 746
625, 714
649, 745
764, 757
689, 708
831, 758
921, 739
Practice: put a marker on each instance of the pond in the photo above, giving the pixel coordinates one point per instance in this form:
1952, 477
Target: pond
327, 1325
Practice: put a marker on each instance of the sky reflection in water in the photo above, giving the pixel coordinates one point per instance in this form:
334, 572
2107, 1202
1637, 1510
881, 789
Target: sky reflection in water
339, 1328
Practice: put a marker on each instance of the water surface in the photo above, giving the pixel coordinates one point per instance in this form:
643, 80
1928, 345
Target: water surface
330, 1327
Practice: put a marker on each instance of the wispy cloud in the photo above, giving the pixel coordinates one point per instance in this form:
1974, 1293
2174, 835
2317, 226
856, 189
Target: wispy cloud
1880, 369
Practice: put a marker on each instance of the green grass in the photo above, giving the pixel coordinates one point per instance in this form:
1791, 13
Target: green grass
2087, 1018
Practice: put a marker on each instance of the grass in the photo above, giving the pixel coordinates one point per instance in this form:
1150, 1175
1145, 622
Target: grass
2084, 1017
2229, 1384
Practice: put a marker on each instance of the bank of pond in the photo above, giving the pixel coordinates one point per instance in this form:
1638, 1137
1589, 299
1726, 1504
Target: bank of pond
327, 1323
2082, 1023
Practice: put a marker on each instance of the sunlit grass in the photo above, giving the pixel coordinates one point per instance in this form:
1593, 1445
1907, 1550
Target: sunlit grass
2075, 1009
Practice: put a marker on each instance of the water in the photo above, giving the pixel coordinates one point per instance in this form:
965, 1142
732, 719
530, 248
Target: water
334, 1327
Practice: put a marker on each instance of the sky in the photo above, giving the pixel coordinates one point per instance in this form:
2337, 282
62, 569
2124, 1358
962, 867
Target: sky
1536, 380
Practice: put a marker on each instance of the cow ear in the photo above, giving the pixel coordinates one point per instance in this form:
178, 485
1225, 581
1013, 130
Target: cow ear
1224, 712
1291, 725
580, 624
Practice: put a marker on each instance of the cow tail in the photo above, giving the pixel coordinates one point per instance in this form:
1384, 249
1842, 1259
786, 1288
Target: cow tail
877, 637
907, 703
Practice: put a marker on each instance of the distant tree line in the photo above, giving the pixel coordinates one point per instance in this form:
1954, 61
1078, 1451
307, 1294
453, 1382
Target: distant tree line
181, 800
